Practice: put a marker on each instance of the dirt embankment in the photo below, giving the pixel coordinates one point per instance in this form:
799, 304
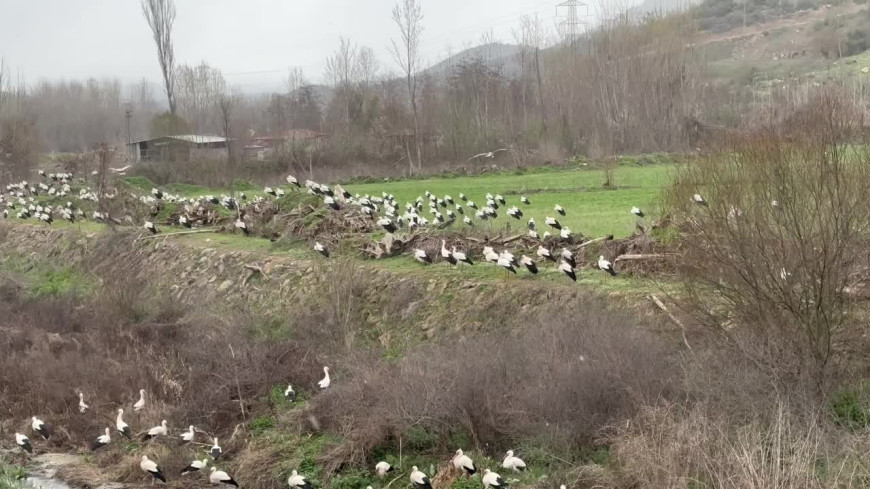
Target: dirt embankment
396, 309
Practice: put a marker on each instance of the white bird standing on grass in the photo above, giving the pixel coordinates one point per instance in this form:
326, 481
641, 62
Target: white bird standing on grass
141, 402
568, 257
419, 479
188, 435
82, 406
149, 467
446, 254
559, 209
150, 227
461, 257
159, 430
382, 467
606, 266
39, 426
513, 463
101, 441
221, 477
530, 264
552, 222
216, 450
297, 481
321, 249
463, 463
637, 212
122, 427
699, 200
324, 382
23, 442
240, 224
545, 253
568, 270
493, 480
422, 257
195, 466
289, 393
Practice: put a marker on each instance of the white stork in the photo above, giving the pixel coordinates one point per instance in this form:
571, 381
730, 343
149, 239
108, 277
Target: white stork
292, 180
221, 477
532, 224
289, 393
23, 442
544, 253
321, 249
568, 270
461, 257
467, 221
559, 209
296, 481
606, 266
159, 430
387, 225
419, 479
188, 435
150, 227
636, 211
515, 212
141, 402
552, 222
82, 406
382, 467
39, 426
195, 466
524, 200
421, 256
699, 200
568, 257
493, 480
463, 463
530, 264
446, 254
513, 463
101, 441
240, 224
330, 202
325, 381
122, 427
149, 467
216, 450
507, 264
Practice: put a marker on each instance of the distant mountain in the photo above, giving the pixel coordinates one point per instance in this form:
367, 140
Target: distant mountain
496, 55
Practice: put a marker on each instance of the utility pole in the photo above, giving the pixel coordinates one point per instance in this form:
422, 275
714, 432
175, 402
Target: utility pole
570, 25
128, 114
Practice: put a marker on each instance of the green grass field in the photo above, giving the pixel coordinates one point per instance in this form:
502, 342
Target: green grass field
591, 209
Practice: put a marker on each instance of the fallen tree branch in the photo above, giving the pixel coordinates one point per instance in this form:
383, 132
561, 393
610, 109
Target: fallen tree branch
596, 240
637, 257
198, 231
513, 238
673, 318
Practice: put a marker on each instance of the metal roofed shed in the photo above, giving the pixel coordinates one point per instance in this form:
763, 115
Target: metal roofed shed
184, 147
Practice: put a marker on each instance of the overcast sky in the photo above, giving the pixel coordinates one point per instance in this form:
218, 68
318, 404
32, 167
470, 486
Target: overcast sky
252, 41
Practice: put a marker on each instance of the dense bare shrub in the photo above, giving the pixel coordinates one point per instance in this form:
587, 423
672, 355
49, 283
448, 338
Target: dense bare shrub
558, 382
680, 445
768, 262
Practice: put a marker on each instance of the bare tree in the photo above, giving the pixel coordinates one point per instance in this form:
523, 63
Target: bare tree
408, 16
160, 15
340, 68
366, 67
